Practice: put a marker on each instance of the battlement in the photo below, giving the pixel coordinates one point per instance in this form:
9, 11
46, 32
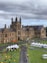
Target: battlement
17, 20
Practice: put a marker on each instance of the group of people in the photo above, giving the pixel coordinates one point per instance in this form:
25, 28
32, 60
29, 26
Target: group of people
12, 47
39, 44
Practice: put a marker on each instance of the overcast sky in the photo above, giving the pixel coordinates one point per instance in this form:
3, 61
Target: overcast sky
32, 12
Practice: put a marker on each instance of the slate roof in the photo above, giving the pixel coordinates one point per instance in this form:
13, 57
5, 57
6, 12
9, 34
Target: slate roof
8, 29
35, 27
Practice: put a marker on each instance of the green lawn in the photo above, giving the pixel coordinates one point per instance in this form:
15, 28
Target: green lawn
40, 41
44, 41
35, 55
6, 44
9, 57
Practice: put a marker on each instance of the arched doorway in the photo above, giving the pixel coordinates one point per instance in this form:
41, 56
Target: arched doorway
18, 38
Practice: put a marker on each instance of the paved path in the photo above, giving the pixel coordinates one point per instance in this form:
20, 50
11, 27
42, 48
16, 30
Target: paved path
2, 47
23, 55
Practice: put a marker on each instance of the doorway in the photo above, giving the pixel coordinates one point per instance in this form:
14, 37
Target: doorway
18, 38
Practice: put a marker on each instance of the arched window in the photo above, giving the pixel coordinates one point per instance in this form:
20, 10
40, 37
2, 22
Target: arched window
5, 35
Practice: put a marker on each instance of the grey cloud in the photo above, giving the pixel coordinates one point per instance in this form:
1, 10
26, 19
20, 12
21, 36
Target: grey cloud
28, 10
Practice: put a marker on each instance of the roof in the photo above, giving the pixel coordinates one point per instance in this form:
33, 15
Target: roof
8, 29
1, 29
35, 27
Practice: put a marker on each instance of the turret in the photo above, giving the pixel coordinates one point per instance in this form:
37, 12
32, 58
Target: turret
16, 19
5, 26
20, 19
12, 20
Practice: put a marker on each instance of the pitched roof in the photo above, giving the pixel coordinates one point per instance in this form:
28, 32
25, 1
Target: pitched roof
35, 27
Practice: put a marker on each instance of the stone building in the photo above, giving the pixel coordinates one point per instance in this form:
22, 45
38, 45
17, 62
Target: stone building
17, 31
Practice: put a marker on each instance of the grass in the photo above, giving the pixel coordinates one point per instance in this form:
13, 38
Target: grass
35, 55
5, 44
40, 40
44, 41
9, 57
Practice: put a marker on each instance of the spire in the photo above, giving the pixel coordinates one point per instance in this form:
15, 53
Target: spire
12, 20
5, 26
16, 19
20, 19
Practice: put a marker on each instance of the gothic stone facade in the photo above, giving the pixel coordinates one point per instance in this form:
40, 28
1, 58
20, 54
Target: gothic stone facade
21, 32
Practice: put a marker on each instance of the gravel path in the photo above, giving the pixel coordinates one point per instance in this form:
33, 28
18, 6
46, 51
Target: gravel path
23, 55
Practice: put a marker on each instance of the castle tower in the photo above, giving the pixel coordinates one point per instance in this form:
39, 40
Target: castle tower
16, 26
